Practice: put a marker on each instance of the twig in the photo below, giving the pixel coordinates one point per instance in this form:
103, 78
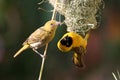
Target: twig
42, 2
45, 10
118, 74
43, 61
45, 51
54, 11
114, 76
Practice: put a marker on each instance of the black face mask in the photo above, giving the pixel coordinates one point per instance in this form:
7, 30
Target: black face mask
66, 41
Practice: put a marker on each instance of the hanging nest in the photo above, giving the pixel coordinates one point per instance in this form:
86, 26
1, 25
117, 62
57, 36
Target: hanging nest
80, 15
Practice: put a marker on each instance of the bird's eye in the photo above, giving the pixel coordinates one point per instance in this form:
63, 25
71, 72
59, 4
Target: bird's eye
51, 24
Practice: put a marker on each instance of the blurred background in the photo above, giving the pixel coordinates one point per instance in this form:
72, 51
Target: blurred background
19, 18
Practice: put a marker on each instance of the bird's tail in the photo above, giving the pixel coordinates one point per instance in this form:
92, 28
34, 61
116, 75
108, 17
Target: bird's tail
22, 49
78, 60
87, 36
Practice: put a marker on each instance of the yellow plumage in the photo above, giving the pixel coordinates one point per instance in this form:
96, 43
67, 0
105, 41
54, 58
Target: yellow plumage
21, 50
75, 42
40, 37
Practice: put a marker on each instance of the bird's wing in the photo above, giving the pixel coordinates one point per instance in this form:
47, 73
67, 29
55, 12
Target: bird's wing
36, 36
78, 57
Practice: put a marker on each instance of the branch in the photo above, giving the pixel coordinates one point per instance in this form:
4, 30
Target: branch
43, 61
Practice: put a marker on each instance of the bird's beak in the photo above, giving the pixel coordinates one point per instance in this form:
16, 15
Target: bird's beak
58, 23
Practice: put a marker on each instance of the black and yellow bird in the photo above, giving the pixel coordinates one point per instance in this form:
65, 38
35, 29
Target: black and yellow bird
40, 37
75, 42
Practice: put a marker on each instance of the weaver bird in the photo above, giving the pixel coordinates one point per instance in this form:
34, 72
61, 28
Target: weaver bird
75, 42
40, 37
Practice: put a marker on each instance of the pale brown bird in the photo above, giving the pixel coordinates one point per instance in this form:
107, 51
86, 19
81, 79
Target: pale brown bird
40, 37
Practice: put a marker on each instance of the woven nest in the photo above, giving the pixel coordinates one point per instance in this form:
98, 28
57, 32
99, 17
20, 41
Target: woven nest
80, 15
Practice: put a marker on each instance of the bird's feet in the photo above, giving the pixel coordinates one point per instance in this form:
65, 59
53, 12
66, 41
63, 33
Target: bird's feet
41, 55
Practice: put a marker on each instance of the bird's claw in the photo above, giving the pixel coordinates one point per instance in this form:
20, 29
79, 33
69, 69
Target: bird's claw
42, 56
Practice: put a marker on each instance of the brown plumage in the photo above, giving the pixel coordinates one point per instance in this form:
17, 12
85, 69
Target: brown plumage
40, 37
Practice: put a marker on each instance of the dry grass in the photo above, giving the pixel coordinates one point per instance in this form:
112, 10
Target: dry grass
116, 75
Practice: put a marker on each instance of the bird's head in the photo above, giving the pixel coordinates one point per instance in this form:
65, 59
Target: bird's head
52, 25
69, 41
65, 43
